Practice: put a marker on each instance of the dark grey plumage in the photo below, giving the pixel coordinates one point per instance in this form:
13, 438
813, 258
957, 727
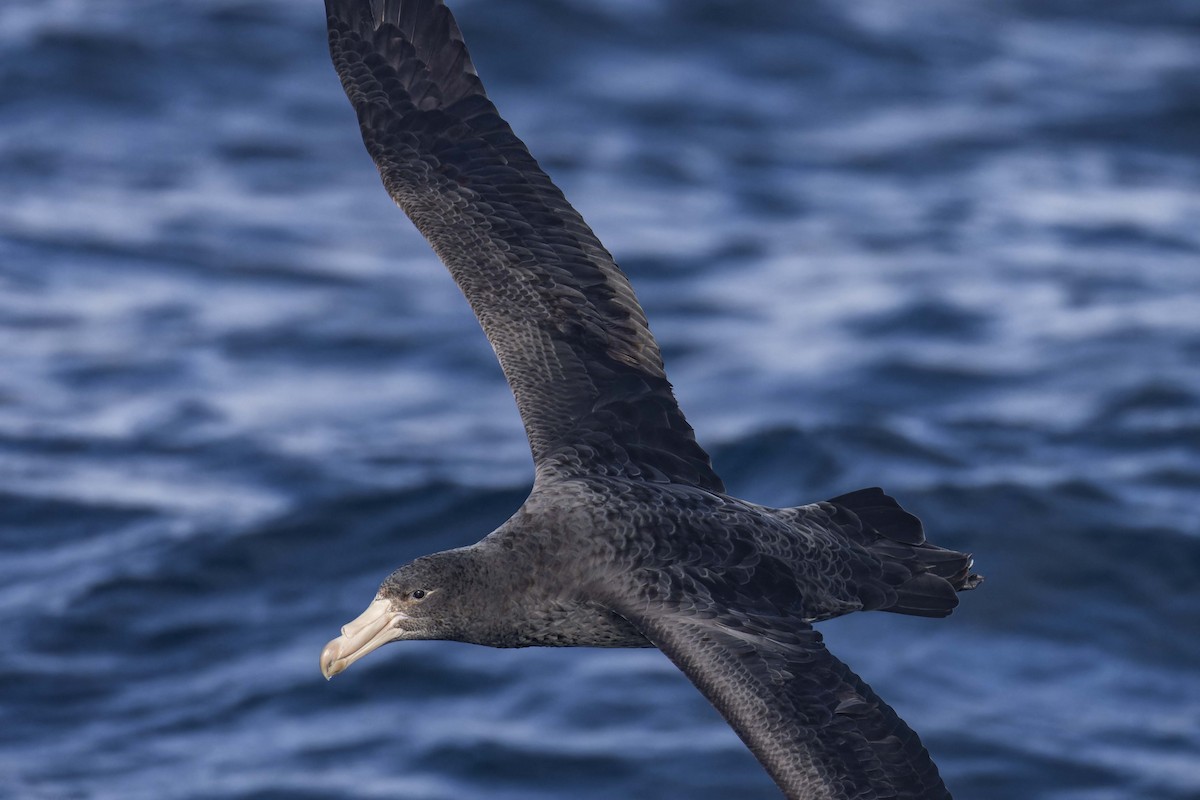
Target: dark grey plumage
627, 539
565, 324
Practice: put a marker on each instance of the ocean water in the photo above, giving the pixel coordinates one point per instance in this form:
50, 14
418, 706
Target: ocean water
946, 248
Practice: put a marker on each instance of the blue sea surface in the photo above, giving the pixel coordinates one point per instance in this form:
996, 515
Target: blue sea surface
951, 249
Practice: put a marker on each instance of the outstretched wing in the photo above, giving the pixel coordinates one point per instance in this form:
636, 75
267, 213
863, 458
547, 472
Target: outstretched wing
816, 726
563, 320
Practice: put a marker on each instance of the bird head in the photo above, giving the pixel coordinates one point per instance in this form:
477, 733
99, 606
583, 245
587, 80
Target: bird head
423, 599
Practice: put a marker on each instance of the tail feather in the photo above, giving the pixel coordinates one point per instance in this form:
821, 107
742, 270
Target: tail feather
924, 595
882, 513
924, 577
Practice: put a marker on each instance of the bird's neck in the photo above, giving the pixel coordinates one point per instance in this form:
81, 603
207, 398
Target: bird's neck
531, 600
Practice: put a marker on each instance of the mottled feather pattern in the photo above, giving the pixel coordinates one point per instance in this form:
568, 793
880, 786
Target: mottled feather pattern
563, 319
819, 730
627, 539
807, 563
727, 590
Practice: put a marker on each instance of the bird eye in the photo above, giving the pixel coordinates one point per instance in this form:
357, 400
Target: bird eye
418, 594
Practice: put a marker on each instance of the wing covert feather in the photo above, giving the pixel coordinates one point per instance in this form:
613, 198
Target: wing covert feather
818, 729
563, 319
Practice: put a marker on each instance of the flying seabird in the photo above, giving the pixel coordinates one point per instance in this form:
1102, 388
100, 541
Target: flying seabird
628, 538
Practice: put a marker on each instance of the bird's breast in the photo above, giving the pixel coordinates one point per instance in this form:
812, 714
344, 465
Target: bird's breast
580, 625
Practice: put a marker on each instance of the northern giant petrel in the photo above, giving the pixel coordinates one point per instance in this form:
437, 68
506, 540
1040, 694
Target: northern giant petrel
628, 538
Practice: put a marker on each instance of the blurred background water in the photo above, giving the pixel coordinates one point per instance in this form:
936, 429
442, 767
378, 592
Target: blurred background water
951, 249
